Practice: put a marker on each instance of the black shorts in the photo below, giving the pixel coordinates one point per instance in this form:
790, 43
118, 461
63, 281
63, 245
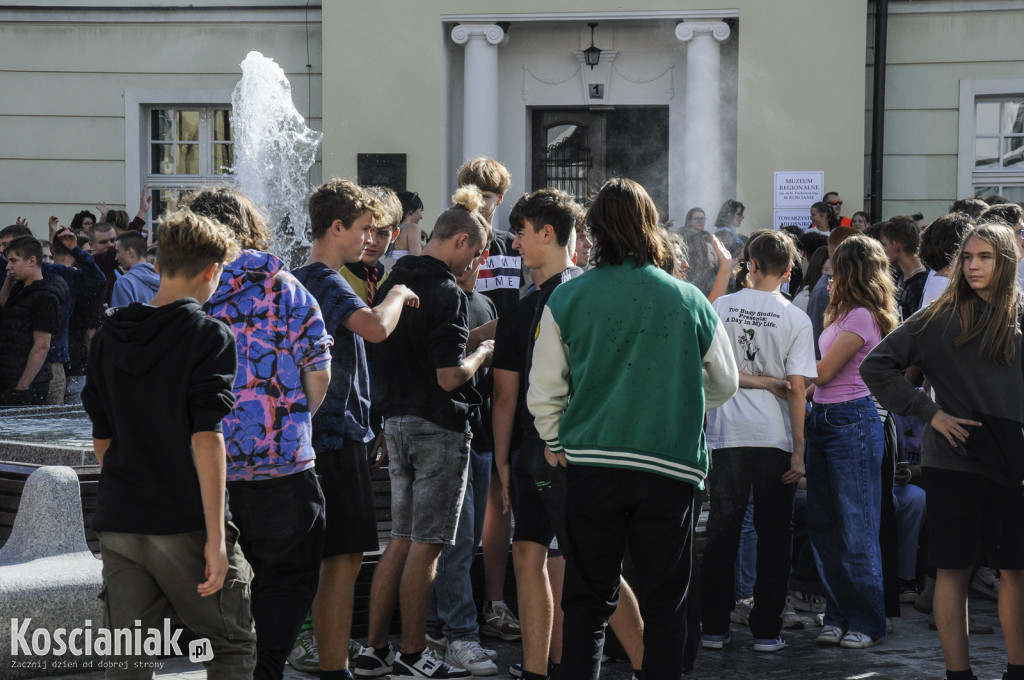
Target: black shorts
540, 507
348, 500
964, 508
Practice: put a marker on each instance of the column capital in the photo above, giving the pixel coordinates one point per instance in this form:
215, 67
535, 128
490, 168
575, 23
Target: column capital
492, 33
686, 30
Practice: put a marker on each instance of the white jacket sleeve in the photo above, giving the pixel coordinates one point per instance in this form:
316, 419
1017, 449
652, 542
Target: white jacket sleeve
721, 376
548, 395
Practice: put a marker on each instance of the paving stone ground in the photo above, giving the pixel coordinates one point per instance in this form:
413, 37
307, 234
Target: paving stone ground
911, 653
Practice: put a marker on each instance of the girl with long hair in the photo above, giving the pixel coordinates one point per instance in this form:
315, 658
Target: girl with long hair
968, 344
845, 446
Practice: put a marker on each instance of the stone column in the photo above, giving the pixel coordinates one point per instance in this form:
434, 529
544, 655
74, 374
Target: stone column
480, 88
702, 144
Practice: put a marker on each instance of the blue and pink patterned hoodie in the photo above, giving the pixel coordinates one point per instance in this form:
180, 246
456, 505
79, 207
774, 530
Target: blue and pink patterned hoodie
280, 334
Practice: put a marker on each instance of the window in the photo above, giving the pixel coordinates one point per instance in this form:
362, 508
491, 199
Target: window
188, 148
991, 154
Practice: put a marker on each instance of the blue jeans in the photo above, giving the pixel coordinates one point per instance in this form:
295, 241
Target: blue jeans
844, 501
746, 556
452, 610
910, 512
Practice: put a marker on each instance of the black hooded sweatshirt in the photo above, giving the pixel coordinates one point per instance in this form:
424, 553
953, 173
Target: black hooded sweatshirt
156, 376
427, 338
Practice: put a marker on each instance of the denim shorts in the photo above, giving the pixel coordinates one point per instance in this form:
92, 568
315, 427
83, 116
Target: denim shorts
429, 468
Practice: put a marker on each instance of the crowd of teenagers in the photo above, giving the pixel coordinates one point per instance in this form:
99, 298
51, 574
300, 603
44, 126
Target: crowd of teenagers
828, 392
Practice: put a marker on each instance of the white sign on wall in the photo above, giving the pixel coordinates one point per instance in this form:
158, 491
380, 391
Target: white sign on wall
798, 189
784, 218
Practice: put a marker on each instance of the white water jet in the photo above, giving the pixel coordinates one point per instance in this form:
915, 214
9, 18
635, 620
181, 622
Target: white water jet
273, 153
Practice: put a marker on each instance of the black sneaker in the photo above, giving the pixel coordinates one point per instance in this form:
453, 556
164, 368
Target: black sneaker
429, 665
369, 665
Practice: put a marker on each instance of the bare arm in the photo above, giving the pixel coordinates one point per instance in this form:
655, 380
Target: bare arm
144, 202
725, 266
778, 386
453, 377
413, 243
314, 385
36, 359
481, 333
503, 416
210, 459
797, 410
376, 324
842, 350
99, 447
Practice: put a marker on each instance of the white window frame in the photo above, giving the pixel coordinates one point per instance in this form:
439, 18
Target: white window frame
967, 176
137, 105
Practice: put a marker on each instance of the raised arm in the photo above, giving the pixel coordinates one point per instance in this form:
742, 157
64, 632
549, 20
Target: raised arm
376, 324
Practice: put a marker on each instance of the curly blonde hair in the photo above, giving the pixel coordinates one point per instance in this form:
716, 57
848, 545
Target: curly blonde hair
860, 278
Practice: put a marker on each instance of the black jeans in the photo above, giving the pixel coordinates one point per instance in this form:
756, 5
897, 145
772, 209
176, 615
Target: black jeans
281, 524
733, 473
605, 509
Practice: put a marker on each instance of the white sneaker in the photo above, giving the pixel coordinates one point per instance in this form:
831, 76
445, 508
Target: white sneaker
369, 665
429, 665
830, 635
470, 655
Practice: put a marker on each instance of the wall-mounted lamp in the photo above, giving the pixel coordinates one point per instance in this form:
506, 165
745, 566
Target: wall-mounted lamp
592, 55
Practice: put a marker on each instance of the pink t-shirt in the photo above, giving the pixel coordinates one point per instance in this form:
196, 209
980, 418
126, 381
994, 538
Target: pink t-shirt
847, 383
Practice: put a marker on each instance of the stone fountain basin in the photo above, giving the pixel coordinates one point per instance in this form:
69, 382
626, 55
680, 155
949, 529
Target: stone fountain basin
46, 435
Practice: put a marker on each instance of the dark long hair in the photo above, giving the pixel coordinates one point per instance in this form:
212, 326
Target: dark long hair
624, 223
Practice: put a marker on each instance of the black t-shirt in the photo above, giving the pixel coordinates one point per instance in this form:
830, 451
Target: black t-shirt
31, 308
910, 292
515, 337
480, 310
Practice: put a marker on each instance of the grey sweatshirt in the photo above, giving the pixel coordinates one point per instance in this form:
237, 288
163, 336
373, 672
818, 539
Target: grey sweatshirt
964, 381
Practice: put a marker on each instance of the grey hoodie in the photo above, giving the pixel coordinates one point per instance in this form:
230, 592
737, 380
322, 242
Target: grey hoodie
138, 285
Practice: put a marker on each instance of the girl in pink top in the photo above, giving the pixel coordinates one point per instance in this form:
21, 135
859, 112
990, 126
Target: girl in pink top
844, 447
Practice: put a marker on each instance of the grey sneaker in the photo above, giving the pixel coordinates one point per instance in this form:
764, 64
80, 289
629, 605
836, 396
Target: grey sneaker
790, 619
986, 582
369, 665
305, 655
470, 655
439, 643
808, 602
429, 665
500, 622
741, 613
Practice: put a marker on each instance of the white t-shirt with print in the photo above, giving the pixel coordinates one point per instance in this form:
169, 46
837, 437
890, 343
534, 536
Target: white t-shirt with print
769, 336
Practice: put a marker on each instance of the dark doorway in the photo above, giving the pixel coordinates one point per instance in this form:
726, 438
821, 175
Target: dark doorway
576, 150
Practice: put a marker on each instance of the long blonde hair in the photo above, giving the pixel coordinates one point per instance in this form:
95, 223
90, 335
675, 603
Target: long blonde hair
996, 322
860, 278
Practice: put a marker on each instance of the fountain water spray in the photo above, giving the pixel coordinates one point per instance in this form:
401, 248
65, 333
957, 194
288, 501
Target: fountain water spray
273, 153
